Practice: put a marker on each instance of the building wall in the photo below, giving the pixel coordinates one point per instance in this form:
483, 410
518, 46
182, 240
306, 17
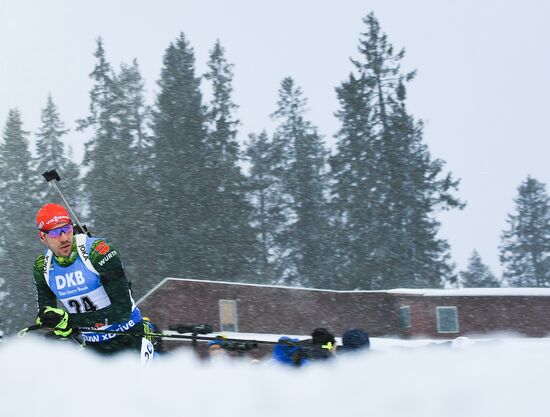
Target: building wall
263, 309
295, 311
527, 316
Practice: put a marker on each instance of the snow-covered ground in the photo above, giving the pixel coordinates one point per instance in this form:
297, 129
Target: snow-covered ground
503, 377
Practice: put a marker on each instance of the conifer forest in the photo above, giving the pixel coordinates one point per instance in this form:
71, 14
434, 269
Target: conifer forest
181, 191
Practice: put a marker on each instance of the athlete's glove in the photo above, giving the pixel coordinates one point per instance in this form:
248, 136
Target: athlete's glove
56, 319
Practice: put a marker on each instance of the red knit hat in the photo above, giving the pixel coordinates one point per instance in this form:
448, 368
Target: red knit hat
51, 215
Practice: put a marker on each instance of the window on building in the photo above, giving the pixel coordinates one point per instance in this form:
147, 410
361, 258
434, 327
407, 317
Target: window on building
405, 316
228, 316
447, 319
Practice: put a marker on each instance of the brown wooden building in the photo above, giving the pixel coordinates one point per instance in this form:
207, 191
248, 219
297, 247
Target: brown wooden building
406, 313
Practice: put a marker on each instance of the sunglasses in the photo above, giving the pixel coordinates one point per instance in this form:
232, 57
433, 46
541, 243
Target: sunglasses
68, 228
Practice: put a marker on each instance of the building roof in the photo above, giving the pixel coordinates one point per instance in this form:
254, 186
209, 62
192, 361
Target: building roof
426, 292
474, 292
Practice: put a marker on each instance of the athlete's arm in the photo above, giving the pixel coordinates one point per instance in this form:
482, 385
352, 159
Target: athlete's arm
44, 296
107, 262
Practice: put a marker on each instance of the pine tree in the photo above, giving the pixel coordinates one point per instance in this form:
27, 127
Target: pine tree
19, 243
264, 195
118, 162
51, 154
105, 154
525, 246
132, 118
299, 165
418, 189
386, 187
477, 274
231, 239
355, 190
183, 182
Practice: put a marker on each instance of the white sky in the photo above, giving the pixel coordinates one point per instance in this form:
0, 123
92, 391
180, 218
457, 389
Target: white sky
483, 75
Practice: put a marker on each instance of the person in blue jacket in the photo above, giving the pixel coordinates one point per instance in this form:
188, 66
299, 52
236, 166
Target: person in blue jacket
288, 352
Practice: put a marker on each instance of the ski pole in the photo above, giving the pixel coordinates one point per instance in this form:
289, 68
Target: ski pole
52, 177
33, 327
173, 336
191, 337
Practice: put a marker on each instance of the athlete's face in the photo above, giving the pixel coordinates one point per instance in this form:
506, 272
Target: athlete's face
59, 240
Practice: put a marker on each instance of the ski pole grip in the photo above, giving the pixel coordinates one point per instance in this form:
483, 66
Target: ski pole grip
51, 175
24, 331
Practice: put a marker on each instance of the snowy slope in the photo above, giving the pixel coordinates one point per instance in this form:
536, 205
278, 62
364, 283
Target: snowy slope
506, 378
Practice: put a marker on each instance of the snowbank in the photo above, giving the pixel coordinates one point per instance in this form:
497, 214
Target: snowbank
503, 378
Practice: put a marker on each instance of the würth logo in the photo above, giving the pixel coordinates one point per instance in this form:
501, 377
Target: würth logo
102, 248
